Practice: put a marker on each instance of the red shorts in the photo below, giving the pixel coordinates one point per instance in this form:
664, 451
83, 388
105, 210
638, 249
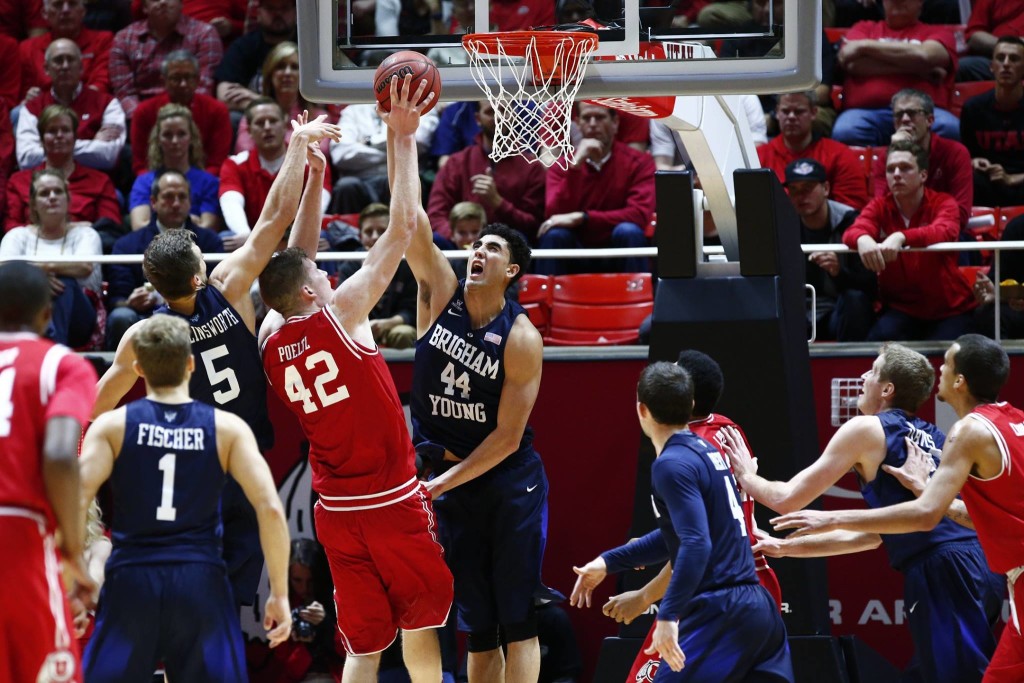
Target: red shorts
43, 648
388, 567
1007, 663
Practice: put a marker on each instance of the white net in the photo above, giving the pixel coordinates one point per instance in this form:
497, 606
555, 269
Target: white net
531, 80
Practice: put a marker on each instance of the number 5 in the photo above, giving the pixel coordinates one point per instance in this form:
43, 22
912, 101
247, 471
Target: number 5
217, 376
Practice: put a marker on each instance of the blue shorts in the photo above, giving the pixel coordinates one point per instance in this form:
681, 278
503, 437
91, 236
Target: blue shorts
493, 529
243, 554
952, 602
730, 635
181, 614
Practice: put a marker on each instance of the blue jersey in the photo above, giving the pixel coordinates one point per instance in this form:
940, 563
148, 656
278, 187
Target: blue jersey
701, 521
886, 490
458, 377
234, 382
167, 483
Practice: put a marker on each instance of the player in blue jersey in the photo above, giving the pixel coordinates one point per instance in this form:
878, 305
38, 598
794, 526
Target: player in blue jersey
475, 380
953, 599
166, 596
716, 622
220, 312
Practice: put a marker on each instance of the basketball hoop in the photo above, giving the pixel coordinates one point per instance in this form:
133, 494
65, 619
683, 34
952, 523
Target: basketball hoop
547, 69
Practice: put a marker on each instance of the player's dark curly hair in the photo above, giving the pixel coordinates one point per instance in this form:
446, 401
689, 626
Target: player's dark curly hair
169, 263
518, 247
708, 380
667, 391
24, 292
984, 365
281, 280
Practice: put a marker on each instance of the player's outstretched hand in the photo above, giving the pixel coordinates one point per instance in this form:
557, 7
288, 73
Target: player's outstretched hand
804, 522
735, 448
665, 642
588, 577
315, 130
278, 612
915, 470
768, 545
404, 117
625, 607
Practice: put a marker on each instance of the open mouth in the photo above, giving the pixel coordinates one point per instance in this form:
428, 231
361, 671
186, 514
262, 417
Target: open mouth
476, 268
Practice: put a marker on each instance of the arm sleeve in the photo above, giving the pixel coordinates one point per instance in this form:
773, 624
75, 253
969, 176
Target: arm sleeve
121, 75
866, 223
103, 154
641, 552
29, 148
232, 205
678, 484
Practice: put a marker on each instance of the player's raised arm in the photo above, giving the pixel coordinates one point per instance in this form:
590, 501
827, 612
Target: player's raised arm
120, 377
524, 356
236, 273
243, 461
305, 232
356, 296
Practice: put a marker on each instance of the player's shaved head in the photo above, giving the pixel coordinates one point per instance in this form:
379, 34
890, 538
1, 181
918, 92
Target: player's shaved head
24, 294
162, 347
667, 391
708, 380
282, 279
911, 374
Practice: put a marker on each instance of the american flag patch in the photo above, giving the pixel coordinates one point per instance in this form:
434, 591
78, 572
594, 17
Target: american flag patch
493, 338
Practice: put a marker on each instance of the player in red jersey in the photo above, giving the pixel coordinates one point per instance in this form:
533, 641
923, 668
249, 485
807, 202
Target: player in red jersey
373, 518
983, 460
46, 396
708, 384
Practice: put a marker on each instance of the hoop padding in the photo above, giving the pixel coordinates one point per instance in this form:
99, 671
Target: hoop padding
534, 114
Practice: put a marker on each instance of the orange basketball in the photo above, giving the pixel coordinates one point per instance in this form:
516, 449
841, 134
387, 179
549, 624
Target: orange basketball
405, 63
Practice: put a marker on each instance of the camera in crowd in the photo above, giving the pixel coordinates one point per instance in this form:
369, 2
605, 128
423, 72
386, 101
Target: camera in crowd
302, 630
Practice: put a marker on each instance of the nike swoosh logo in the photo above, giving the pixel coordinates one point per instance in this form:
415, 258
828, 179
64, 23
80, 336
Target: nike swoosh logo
451, 312
911, 610
531, 488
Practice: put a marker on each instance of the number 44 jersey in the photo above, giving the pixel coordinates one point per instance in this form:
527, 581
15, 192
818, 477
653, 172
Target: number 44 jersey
346, 402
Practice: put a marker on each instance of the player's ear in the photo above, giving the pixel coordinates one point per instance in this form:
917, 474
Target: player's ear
137, 367
190, 364
512, 270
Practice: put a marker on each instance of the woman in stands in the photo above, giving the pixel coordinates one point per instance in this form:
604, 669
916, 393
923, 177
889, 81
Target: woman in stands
93, 196
281, 84
175, 144
51, 234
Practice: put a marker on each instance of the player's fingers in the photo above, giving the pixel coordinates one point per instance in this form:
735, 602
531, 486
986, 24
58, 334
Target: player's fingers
278, 635
418, 95
652, 650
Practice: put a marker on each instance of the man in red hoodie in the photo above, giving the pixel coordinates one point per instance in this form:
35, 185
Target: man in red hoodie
923, 294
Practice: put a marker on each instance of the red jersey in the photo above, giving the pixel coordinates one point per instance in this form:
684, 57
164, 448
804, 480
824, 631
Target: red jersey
346, 402
709, 429
39, 380
996, 505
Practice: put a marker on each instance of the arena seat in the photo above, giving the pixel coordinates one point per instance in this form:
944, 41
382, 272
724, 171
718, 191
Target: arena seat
867, 156
535, 297
1007, 214
604, 308
350, 218
965, 91
835, 33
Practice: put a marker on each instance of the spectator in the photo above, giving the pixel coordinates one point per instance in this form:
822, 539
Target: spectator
65, 18
521, 15
510, 190
50, 234
92, 195
227, 16
175, 144
10, 77
725, 15
360, 159
129, 300
180, 73
948, 160
456, 129
408, 17
280, 82
844, 289
467, 221
880, 58
1011, 267
989, 19
796, 113
101, 130
238, 75
604, 199
140, 49
245, 178
22, 19
393, 319
923, 295
6, 156
992, 128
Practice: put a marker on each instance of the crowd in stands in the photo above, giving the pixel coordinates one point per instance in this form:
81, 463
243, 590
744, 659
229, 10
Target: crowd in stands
160, 113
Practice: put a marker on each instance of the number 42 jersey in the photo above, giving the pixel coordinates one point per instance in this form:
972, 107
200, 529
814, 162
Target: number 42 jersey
346, 402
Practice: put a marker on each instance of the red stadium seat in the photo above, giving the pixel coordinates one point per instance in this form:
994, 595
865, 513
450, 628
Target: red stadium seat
835, 33
1007, 214
350, 218
594, 309
965, 91
867, 156
535, 297
837, 97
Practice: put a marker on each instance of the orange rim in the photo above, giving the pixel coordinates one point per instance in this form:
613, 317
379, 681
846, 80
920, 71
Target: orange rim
548, 65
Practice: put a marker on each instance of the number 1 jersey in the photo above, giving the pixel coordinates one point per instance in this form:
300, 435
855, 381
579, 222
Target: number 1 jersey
346, 402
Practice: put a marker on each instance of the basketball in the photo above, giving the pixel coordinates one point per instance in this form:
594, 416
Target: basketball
399, 65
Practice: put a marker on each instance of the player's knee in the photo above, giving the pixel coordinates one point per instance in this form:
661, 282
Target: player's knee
523, 630
484, 640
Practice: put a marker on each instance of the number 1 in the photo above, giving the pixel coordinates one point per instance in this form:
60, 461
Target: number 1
167, 512
6, 400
